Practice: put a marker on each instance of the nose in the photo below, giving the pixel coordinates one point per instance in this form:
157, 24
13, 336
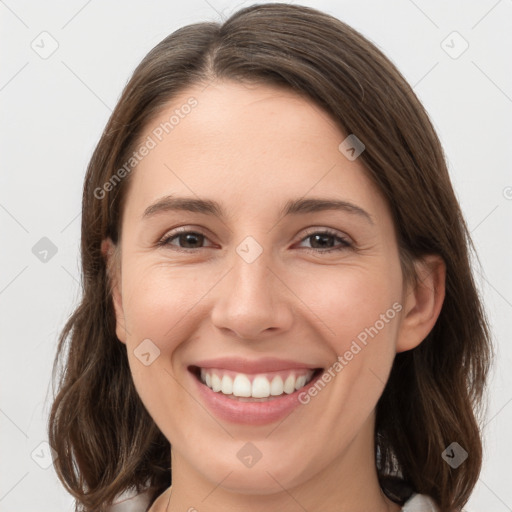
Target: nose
252, 301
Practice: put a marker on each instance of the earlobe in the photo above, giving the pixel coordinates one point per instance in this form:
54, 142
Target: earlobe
422, 302
112, 263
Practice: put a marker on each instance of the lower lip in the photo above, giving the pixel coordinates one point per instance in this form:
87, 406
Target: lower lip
250, 413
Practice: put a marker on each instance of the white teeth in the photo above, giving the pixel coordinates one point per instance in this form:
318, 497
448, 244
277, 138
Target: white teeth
289, 384
241, 385
227, 385
260, 387
276, 388
216, 383
300, 382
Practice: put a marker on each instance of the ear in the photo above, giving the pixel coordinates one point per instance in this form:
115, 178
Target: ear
113, 264
422, 302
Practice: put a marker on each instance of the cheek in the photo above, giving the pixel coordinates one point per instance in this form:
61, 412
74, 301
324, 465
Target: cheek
348, 301
166, 303
160, 302
160, 306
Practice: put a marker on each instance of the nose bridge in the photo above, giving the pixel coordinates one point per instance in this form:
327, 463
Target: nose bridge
251, 300
251, 275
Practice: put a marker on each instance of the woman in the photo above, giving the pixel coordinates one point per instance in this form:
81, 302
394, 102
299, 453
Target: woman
278, 303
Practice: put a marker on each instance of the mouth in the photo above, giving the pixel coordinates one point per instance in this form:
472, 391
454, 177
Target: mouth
260, 387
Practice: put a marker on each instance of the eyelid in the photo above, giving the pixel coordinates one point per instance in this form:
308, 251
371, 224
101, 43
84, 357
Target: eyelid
189, 228
174, 232
330, 231
345, 242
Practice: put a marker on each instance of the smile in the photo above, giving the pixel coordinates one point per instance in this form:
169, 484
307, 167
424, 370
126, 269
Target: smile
252, 398
241, 385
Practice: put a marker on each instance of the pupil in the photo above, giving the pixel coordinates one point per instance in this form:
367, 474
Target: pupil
190, 238
323, 237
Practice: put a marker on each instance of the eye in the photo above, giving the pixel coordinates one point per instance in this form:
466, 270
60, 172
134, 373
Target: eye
190, 239
325, 240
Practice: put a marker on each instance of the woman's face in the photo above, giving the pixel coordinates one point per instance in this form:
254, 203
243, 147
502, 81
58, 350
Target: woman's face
251, 296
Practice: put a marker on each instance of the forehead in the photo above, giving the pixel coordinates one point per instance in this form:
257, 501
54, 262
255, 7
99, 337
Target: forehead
248, 145
249, 113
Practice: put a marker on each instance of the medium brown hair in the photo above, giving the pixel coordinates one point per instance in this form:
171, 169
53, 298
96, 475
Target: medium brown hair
105, 439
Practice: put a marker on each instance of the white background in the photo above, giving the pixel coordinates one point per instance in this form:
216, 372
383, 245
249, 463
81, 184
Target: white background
53, 111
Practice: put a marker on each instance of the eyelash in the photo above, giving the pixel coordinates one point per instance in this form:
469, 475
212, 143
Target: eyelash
345, 244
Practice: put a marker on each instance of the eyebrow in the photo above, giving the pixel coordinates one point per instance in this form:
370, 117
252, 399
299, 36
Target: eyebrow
292, 207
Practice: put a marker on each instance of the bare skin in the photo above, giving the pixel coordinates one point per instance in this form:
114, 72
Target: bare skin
253, 148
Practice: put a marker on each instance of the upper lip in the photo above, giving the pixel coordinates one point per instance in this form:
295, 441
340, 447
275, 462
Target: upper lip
262, 365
